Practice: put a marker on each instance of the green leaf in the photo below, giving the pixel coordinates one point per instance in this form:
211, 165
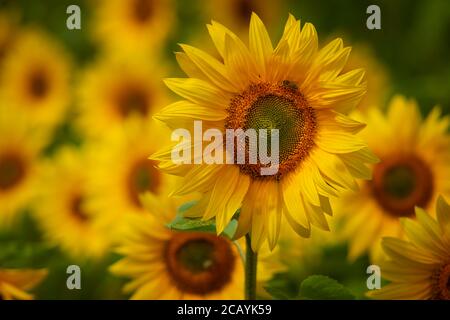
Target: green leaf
282, 287
181, 223
324, 288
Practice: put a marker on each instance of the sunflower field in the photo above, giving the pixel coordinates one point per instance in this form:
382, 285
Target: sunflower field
95, 95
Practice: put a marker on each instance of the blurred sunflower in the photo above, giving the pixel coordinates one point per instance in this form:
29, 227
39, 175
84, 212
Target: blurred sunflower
413, 171
419, 268
238, 12
61, 210
121, 171
132, 25
295, 88
116, 89
167, 264
15, 282
35, 78
20, 145
8, 31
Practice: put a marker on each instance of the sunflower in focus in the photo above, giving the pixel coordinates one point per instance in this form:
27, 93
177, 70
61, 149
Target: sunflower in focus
114, 90
20, 145
61, 210
15, 282
35, 78
377, 76
167, 264
413, 171
132, 25
121, 171
419, 268
296, 88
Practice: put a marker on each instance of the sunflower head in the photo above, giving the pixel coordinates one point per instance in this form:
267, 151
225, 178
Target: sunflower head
294, 87
137, 25
21, 142
62, 211
121, 171
35, 79
412, 172
184, 264
115, 90
418, 267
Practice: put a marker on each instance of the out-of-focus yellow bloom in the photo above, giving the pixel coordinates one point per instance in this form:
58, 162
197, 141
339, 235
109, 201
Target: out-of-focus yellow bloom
132, 25
419, 268
413, 171
20, 145
167, 264
8, 31
15, 282
121, 171
116, 89
61, 207
295, 88
35, 79
237, 13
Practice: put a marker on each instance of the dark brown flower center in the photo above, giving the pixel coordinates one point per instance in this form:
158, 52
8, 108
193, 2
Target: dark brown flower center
12, 170
243, 10
143, 177
199, 263
38, 84
133, 100
142, 10
274, 106
441, 283
402, 182
77, 209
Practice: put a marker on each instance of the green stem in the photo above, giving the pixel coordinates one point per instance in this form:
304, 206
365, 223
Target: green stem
251, 261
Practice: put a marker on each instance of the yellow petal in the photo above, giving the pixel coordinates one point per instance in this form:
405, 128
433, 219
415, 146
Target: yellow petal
213, 69
260, 43
199, 92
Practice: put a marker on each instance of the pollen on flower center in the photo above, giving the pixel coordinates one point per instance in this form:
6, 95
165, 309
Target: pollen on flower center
142, 177
441, 283
198, 262
12, 170
275, 106
402, 182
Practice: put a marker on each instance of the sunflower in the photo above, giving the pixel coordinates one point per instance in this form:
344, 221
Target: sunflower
419, 268
20, 145
168, 264
35, 79
132, 25
15, 282
61, 209
121, 170
116, 89
413, 171
295, 88
238, 12
8, 31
